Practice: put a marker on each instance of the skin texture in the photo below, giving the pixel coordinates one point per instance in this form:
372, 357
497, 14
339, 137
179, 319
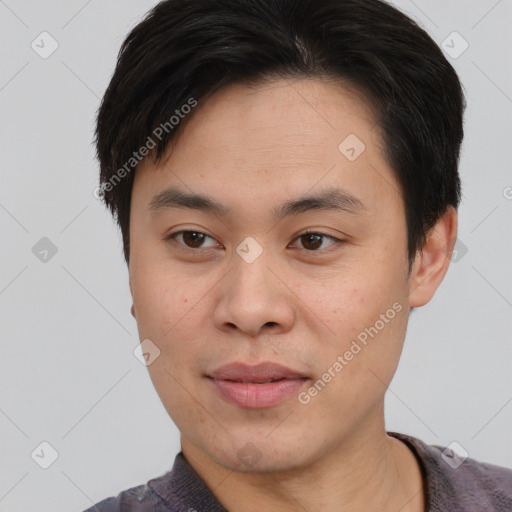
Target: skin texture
252, 149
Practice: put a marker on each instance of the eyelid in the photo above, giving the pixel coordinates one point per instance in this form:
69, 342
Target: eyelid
173, 235
336, 241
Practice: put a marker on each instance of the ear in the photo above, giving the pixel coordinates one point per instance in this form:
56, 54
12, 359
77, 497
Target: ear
132, 310
431, 263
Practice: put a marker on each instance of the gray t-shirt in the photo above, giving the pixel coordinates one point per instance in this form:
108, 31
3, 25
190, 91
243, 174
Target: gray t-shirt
450, 486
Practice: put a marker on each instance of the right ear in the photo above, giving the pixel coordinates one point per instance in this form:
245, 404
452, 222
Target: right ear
132, 309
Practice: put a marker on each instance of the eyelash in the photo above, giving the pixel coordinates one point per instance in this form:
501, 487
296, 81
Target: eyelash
337, 241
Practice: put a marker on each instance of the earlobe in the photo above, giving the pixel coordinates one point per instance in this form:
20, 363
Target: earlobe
132, 309
432, 262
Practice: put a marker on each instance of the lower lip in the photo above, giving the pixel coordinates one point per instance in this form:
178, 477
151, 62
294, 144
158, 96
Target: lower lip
257, 396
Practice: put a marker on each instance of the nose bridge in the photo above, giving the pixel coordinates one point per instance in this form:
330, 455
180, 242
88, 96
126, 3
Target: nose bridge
252, 297
251, 279
252, 275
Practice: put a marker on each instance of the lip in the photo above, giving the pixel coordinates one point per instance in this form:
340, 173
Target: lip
242, 372
245, 385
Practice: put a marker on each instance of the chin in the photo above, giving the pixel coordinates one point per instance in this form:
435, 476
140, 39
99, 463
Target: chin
260, 453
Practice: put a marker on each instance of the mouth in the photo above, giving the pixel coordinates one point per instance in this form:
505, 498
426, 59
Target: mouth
255, 381
259, 373
258, 386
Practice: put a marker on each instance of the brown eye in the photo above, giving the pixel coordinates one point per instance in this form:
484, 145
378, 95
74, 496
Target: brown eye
313, 241
192, 239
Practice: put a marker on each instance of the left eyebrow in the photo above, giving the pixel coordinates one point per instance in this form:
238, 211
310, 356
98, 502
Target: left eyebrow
333, 199
175, 198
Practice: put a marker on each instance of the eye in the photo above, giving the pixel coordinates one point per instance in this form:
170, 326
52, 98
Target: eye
312, 241
191, 239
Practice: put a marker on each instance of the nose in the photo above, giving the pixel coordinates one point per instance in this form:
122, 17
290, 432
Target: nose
254, 299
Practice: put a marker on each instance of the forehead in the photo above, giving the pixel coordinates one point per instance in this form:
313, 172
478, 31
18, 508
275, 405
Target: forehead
281, 113
273, 138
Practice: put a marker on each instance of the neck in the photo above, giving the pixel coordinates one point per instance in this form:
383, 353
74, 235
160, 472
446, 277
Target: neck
367, 470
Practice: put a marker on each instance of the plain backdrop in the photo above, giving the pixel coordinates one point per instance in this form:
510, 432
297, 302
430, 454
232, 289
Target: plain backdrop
68, 375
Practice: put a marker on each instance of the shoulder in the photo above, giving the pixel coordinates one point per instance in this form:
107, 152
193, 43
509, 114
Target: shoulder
141, 498
483, 485
458, 482
178, 490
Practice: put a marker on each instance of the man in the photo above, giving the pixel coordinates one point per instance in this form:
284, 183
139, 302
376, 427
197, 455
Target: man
284, 174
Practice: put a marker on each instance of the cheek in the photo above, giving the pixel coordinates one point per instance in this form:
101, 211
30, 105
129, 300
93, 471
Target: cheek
169, 314
153, 304
367, 323
161, 299
172, 311
176, 390
356, 374
340, 308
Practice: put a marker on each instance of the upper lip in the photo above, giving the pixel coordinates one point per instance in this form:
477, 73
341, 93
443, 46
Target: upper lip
261, 372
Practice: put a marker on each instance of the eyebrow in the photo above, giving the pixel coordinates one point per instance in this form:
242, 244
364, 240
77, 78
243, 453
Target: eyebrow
332, 199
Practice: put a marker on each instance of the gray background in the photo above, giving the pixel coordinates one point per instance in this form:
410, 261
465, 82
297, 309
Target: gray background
68, 375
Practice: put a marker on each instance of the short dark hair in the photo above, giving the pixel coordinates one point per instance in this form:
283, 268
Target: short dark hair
185, 50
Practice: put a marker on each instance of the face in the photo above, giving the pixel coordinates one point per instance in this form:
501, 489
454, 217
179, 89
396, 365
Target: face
236, 278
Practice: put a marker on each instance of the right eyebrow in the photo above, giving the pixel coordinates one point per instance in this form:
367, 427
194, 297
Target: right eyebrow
333, 199
175, 198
